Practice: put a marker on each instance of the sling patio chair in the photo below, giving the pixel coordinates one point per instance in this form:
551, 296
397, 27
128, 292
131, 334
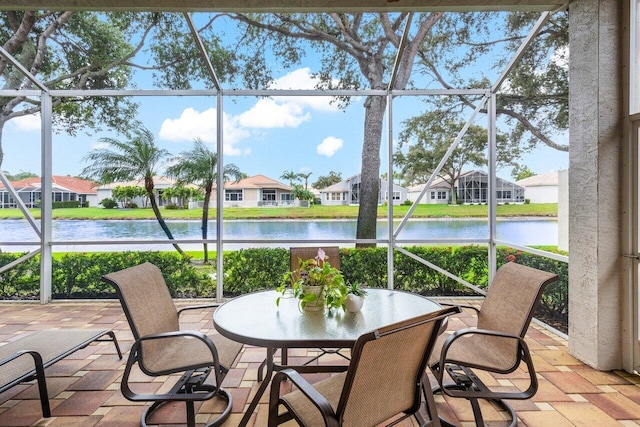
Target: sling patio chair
496, 344
382, 383
161, 348
26, 358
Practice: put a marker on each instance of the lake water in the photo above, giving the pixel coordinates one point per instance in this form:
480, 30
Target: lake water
522, 231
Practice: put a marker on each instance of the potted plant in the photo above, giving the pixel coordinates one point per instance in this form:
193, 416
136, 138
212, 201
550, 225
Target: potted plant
316, 284
354, 299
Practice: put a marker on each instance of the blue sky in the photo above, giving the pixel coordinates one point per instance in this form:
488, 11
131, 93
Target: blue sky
262, 136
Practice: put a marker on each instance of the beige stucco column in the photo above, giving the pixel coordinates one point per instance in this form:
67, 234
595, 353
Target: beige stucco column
595, 105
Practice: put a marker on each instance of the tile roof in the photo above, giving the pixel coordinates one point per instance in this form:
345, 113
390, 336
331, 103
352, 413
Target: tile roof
543, 179
73, 184
257, 181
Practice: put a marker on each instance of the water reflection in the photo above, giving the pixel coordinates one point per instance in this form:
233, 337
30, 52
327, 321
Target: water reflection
519, 231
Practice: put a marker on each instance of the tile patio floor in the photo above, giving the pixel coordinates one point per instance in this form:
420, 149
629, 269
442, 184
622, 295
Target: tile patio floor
84, 387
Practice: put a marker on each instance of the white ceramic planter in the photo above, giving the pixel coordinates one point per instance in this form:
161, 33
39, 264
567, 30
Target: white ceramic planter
353, 303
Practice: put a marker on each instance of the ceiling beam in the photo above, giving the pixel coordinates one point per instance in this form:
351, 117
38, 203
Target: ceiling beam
283, 5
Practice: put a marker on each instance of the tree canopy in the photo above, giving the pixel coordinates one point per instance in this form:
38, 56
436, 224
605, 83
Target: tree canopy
327, 180
429, 137
87, 50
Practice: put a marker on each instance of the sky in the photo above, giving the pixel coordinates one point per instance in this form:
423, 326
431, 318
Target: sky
268, 136
262, 135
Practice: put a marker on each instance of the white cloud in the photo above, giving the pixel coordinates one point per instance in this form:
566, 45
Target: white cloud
302, 79
329, 146
27, 123
194, 124
266, 113
190, 125
97, 145
269, 114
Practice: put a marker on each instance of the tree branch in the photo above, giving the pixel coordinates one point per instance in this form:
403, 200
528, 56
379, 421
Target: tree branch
19, 37
526, 123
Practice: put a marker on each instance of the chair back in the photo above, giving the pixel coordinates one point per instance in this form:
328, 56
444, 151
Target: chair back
386, 370
332, 255
147, 303
508, 307
296, 255
512, 298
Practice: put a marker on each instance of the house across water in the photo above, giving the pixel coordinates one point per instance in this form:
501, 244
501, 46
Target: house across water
470, 187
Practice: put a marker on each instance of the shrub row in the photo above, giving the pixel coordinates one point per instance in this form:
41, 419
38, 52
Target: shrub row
77, 275
71, 204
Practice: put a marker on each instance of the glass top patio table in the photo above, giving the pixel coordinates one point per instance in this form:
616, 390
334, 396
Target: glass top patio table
255, 319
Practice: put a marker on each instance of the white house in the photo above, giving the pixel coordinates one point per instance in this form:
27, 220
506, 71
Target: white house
160, 183
64, 189
541, 188
438, 193
470, 187
347, 192
255, 191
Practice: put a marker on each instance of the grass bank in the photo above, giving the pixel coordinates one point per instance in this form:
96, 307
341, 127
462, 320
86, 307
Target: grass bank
313, 212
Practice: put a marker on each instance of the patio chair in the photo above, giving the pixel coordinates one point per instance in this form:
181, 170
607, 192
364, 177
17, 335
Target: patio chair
382, 383
298, 254
161, 348
27, 357
497, 344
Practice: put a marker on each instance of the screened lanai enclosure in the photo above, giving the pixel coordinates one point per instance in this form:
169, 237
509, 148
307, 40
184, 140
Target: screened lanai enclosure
234, 76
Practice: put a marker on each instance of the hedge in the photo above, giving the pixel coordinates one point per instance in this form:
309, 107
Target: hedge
77, 275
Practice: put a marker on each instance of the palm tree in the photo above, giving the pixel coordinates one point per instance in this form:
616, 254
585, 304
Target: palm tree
306, 179
138, 158
291, 176
199, 166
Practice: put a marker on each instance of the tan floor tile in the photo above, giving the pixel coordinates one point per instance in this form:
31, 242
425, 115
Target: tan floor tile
584, 414
570, 382
544, 418
600, 377
616, 405
558, 357
631, 391
569, 393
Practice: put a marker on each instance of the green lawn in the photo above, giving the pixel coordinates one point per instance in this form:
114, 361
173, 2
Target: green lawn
315, 211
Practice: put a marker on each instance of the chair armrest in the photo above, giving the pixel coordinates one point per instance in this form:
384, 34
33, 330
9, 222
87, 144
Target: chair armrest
474, 308
179, 334
197, 307
474, 331
523, 349
175, 334
318, 400
133, 358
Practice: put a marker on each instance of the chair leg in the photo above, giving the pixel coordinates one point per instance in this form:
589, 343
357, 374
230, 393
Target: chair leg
477, 414
224, 394
430, 407
191, 414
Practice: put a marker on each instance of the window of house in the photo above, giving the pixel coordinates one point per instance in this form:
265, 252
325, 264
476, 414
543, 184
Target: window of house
268, 195
439, 195
336, 196
233, 195
286, 197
